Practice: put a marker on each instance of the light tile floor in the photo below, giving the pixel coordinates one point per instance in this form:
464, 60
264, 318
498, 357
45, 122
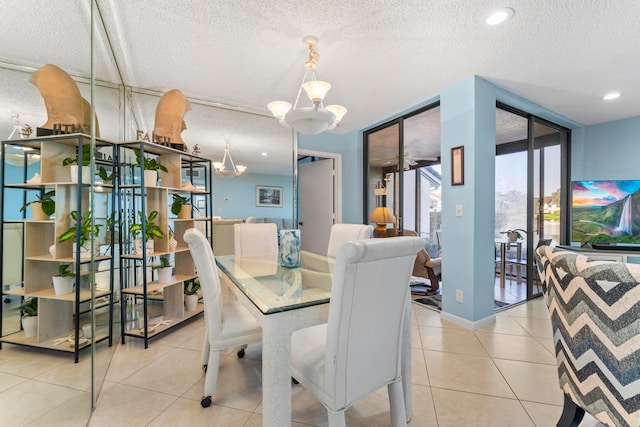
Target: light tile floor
501, 375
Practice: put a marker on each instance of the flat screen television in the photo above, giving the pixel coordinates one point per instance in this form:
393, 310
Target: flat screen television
606, 212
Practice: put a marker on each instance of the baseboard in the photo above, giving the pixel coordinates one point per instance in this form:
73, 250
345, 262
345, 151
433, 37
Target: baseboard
466, 323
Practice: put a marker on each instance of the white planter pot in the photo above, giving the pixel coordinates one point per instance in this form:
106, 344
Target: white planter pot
165, 274
191, 302
37, 213
185, 212
63, 285
86, 174
137, 246
150, 177
30, 326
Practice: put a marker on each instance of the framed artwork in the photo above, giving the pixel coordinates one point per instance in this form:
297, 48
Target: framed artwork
457, 165
269, 197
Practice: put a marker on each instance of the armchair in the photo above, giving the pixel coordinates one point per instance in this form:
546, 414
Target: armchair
359, 349
425, 266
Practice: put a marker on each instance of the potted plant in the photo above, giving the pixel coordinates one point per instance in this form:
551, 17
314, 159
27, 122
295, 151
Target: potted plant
151, 167
515, 234
191, 289
73, 165
164, 270
86, 233
151, 230
181, 206
43, 207
64, 280
29, 309
106, 177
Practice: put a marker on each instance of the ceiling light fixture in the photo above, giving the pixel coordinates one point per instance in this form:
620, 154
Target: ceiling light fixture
500, 15
611, 95
317, 118
222, 168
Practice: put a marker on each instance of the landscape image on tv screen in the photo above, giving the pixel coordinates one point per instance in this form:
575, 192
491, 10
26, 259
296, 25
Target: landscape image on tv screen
606, 211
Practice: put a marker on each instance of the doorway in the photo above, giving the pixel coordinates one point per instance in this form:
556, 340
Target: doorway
318, 206
531, 196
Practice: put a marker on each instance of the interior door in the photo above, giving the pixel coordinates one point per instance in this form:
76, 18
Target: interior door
315, 204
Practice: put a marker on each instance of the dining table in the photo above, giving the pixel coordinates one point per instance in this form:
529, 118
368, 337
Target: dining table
283, 300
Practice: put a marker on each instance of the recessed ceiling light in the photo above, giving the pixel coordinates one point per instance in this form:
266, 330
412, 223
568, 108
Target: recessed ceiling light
611, 95
500, 15
264, 153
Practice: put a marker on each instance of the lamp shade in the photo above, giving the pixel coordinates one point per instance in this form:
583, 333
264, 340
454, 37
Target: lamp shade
316, 90
279, 108
382, 215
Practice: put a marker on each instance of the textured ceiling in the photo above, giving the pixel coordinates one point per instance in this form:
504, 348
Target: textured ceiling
380, 56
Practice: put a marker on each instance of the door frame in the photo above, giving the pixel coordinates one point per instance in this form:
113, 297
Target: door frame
337, 181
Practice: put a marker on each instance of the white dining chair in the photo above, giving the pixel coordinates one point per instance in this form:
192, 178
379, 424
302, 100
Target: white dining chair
228, 323
255, 239
341, 233
359, 349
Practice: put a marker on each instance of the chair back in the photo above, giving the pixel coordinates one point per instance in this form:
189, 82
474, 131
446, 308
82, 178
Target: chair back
366, 315
341, 233
207, 269
255, 239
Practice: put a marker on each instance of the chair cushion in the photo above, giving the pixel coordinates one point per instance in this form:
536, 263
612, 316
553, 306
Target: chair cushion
308, 347
238, 326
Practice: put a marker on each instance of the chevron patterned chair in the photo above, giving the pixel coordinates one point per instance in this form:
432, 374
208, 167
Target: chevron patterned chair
595, 316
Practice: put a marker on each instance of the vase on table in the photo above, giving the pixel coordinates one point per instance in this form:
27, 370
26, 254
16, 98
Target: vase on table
290, 248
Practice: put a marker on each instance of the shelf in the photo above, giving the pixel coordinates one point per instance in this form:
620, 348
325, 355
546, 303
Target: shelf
155, 286
54, 343
85, 295
139, 332
140, 256
67, 259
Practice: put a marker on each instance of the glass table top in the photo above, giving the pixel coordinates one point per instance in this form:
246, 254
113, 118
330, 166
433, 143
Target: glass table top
273, 288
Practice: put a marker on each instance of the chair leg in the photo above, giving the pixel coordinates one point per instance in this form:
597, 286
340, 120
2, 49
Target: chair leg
571, 413
211, 377
396, 403
336, 419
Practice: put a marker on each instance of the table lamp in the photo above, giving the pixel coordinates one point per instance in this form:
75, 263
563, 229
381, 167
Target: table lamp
382, 216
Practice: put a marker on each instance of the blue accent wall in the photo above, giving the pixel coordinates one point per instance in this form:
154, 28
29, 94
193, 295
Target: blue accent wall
609, 151
236, 197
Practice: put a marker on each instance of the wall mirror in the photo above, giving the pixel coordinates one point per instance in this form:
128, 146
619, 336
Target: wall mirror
121, 110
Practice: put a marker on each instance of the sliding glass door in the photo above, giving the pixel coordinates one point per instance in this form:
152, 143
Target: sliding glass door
531, 195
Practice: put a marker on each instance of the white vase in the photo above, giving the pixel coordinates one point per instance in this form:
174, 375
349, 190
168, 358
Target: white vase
137, 245
63, 284
150, 177
30, 326
164, 274
191, 302
86, 174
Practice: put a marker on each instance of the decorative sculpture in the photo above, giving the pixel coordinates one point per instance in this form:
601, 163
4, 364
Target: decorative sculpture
169, 123
67, 111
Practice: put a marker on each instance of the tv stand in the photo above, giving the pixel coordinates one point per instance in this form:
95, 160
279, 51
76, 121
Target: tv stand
620, 247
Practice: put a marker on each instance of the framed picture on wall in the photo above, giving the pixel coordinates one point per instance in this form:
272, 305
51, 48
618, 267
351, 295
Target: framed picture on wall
457, 165
269, 197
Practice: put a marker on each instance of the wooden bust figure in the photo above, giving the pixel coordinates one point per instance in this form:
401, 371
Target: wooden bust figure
170, 112
62, 99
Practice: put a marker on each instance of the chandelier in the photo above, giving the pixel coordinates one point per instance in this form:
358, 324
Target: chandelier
317, 118
227, 168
